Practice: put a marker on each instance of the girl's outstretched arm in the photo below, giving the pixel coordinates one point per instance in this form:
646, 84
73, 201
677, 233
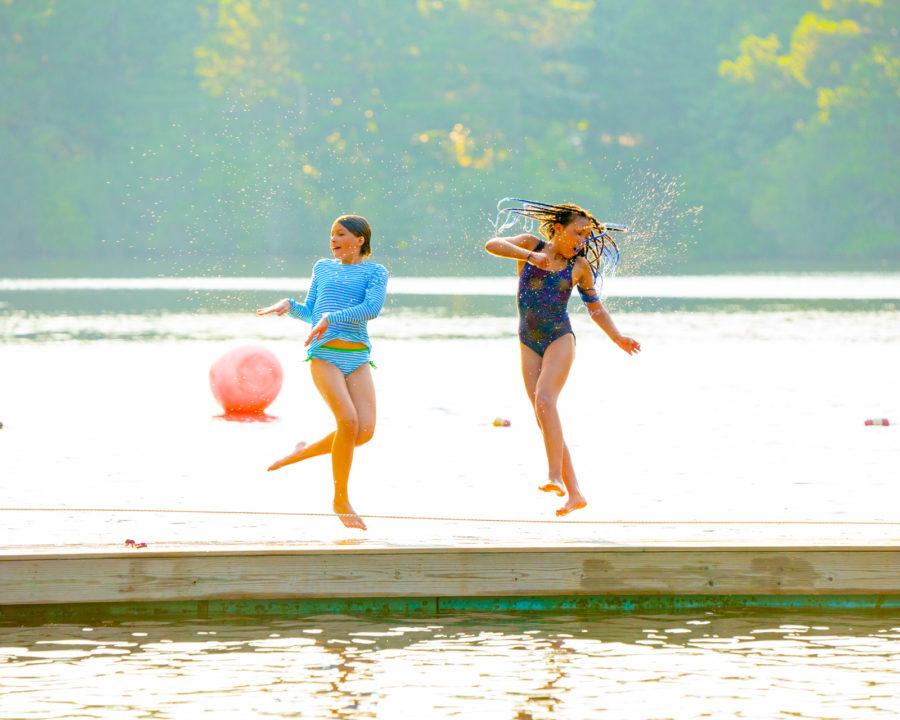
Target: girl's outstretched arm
518, 247
601, 317
584, 278
301, 311
279, 308
304, 311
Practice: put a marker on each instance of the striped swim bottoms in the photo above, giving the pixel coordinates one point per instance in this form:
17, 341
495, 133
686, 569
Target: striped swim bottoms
345, 359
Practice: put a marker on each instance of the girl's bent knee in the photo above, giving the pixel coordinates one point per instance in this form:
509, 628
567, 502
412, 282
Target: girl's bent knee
348, 424
364, 434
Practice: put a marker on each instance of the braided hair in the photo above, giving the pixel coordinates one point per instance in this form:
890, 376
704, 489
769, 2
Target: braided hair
600, 250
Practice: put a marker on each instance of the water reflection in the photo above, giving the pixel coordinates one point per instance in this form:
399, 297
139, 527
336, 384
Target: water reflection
691, 665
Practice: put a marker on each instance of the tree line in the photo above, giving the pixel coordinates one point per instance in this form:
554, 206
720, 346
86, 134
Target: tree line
221, 136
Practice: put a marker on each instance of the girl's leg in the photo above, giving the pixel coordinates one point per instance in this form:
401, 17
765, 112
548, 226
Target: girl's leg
555, 367
557, 362
544, 379
334, 389
302, 451
576, 499
362, 392
531, 371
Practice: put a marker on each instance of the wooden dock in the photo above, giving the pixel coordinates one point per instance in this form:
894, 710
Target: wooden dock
54, 584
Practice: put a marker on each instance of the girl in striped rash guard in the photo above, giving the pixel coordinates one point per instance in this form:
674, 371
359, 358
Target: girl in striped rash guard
344, 295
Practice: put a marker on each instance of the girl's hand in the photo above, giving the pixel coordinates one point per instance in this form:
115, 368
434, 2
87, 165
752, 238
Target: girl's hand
629, 345
279, 308
318, 330
539, 259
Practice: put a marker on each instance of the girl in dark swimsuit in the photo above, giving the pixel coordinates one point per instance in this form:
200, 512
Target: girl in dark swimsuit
549, 269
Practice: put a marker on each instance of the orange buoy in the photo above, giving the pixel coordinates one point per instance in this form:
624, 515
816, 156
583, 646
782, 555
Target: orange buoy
246, 380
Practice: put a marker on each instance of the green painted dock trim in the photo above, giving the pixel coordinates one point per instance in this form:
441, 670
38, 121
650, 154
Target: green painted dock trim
433, 606
203, 609
665, 603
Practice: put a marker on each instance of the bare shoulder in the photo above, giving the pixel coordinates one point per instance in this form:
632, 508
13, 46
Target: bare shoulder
582, 273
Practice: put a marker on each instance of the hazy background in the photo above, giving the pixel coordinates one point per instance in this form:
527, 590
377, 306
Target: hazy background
221, 137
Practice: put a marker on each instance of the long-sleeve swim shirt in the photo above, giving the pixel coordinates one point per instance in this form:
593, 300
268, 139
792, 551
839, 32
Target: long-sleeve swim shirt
350, 294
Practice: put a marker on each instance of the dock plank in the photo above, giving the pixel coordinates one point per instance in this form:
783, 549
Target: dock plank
410, 572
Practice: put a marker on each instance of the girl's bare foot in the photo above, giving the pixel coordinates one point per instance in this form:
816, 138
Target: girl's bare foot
294, 457
347, 515
575, 502
554, 486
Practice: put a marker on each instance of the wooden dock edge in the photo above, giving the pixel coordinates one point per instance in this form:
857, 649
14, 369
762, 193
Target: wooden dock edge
363, 580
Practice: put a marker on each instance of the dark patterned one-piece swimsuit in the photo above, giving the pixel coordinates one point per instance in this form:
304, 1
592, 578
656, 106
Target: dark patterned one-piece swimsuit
543, 299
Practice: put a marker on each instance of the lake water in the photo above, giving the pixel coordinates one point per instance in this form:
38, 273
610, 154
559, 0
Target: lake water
554, 667
742, 419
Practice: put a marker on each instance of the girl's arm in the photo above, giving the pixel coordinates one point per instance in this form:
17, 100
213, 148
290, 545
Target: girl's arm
304, 311
518, 247
368, 309
279, 308
584, 278
301, 311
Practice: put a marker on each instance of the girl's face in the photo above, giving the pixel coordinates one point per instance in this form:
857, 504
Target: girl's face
569, 238
345, 246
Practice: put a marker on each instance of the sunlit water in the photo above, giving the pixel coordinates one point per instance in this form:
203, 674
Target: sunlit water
742, 419
685, 666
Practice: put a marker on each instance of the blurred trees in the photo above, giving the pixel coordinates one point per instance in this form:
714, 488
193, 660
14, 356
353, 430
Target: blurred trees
215, 135
830, 96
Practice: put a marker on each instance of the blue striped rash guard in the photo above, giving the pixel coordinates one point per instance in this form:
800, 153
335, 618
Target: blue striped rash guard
351, 295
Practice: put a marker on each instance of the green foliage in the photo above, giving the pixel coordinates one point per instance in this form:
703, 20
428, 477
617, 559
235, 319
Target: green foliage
830, 179
225, 134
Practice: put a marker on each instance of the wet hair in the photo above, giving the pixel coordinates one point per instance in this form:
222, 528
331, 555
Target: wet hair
357, 225
600, 250
564, 213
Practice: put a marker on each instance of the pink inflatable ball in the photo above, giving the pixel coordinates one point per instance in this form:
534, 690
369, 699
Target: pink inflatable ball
246, 380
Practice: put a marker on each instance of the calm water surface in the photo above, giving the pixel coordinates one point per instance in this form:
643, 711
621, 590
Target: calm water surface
742, 419
687, 666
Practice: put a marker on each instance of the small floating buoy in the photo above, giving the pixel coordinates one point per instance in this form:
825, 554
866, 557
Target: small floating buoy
878, 421
501, 422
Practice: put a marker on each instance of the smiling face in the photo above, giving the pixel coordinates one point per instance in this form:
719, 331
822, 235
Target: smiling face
345, 246
569, 238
